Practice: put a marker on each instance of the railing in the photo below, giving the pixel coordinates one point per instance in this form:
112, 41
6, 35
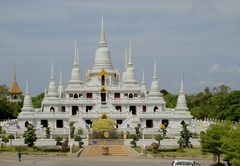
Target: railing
106, 142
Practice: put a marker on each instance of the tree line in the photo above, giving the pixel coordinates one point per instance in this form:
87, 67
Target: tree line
216, 103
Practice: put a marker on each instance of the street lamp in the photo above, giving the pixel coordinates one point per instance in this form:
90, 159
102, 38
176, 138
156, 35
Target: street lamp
143, 145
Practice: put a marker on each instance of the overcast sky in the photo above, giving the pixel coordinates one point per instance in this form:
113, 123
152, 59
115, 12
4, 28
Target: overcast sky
200, 38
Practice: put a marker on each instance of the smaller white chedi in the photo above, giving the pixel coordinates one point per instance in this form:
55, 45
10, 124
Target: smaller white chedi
120, 96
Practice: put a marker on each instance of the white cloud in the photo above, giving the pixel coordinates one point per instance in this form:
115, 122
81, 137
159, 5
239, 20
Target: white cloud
216, 68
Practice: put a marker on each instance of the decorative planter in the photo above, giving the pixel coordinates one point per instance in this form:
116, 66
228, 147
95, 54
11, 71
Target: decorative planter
105, 150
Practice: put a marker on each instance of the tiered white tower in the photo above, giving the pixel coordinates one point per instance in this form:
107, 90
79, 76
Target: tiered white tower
105, 91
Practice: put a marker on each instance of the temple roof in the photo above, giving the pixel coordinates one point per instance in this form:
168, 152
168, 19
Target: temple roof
15, 88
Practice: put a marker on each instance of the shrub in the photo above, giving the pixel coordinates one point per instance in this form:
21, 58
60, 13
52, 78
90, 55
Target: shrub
48, 149
79, 140
154, 147
11, 137
58, 140
218, 164
133, 143
158, 138
5, 139
173, 149
134, 137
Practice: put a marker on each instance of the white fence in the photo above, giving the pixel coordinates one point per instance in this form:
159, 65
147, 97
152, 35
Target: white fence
164, 142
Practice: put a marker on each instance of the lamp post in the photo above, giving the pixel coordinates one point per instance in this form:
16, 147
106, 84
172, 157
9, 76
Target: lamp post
143, 145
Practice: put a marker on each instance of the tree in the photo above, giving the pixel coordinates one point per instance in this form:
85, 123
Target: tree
163, 129
72, 129
11, 137
5, 139
79, 140
230, 145
9, 110
135, 138
138, 130
48, 132
30, 135
37, 100
65, 147
180, 143
198, 113
158, 138
3, 91
171, 99
80, 131
104, 123
58, 140
211, 139
185, 134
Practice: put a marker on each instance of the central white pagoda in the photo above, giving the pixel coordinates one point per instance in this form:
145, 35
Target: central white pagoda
106, 90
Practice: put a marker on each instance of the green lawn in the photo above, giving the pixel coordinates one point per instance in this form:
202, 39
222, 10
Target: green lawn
188, 152
41, 150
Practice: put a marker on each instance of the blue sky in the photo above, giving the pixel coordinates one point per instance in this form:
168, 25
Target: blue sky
200, 38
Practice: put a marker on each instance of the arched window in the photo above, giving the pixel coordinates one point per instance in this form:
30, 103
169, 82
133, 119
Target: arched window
103, 96
130, 95
52, 109
75, 96
155, 109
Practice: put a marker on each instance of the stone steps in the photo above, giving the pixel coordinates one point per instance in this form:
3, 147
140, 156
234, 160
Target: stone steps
96, 150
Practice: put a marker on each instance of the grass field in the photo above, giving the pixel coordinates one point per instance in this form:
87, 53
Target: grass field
37, 150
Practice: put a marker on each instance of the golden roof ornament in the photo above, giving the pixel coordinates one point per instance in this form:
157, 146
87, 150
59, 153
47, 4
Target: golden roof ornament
103, 72
15, 88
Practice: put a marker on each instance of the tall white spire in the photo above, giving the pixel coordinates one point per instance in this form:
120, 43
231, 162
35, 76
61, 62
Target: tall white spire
126, 59
143, 86
45, 91
130, 53
102, 56
27, 103
78, 57
155, 70
52, 73
75, 75
181, 88
181, 101
125, 65
143, 78
102, 39
130, 73
52, 90
75, 63
60, 87
155, 89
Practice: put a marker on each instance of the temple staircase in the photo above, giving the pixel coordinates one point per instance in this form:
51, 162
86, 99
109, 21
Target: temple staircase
114, 150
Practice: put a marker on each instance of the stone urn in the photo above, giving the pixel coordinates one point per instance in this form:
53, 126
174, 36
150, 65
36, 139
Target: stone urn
105, 150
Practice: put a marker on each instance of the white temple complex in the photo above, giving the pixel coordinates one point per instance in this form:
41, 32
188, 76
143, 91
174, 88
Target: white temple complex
105, 90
